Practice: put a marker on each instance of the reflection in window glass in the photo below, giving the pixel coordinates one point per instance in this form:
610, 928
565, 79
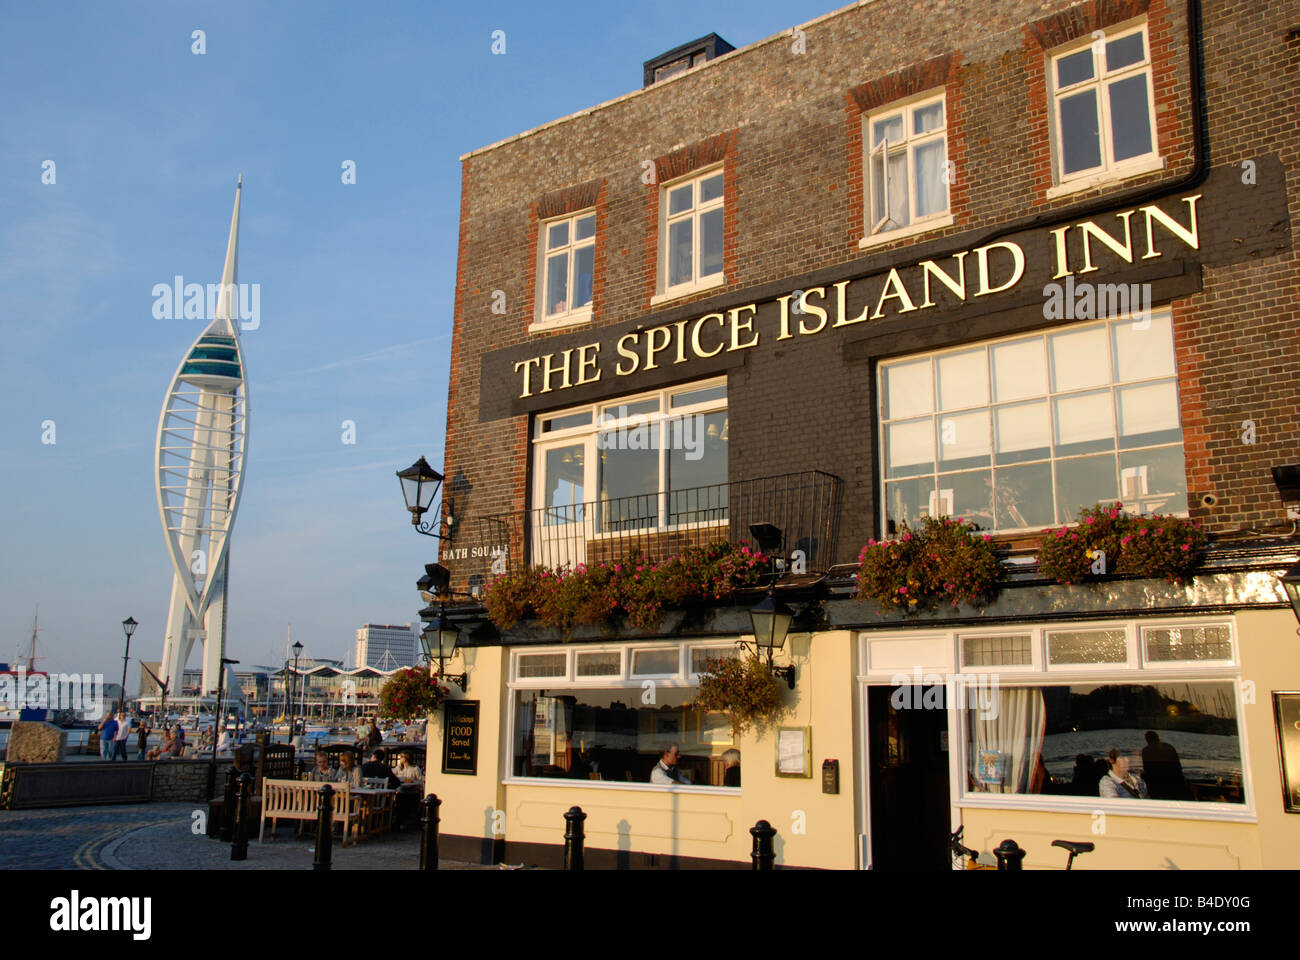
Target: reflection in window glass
629, 478
1087, 646
1024, 496
1176, 741
603, 663
1079, 480
654, 662
610, 735
701, 655
1171, 644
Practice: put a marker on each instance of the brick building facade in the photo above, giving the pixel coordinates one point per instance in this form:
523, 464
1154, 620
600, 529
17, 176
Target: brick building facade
793, 224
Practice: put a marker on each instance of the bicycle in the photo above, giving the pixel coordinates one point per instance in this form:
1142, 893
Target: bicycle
964, 858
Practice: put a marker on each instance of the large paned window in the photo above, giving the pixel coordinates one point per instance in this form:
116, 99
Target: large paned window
568, 258
1102, 106
644, 462
1020, 433
691, 233
579, 714
907, 154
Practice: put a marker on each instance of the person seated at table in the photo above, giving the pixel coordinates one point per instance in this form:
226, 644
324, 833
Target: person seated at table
407, 770
321, 773
170, 747
349, 772
377, 768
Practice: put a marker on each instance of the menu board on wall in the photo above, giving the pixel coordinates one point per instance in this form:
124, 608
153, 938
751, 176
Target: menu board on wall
460, 737
1286, 710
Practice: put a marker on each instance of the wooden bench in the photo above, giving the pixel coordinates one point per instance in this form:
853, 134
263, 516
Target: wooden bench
300, 800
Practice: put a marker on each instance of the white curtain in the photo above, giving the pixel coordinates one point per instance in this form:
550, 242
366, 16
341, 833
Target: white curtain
1016, 733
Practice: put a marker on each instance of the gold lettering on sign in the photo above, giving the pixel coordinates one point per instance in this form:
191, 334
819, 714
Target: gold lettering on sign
893, 282
747, 326
549, 371
681, 341
527, 365
1062, 258
785, 317
1190, 235
584, 362
1018, 268
841, 295
930, 269
816, 311
1124, 250
695, 336
651, 349
624, 352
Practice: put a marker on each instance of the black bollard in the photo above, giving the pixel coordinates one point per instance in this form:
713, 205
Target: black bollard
762, 856
573, 818
1009, 855
325, 828
243, 797
429, 832
227, 833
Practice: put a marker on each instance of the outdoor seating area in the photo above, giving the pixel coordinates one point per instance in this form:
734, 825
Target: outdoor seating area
359, 812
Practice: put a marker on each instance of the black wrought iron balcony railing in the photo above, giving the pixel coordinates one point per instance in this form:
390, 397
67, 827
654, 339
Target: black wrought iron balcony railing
803, 506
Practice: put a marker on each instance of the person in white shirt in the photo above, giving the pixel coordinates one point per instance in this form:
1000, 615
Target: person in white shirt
120, 737
665, 771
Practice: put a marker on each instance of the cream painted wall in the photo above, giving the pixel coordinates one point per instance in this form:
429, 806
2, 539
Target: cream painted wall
670, 821
468, 803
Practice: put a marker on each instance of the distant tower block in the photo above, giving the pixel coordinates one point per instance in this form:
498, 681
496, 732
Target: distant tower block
202, 447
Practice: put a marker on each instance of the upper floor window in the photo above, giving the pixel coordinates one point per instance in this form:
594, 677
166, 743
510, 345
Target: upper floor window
568, 255
907, 156
1103, 110
691, 242
1020, 433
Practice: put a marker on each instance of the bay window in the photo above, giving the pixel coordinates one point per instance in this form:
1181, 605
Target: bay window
1019, 433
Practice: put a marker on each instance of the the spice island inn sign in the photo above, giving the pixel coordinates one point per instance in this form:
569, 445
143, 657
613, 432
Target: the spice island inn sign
1106, 265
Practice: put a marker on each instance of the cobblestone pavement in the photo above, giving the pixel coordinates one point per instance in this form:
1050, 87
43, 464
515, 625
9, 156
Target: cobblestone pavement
159, 836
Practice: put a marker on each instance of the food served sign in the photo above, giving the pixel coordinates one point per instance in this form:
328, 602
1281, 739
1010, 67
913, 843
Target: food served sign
460, 737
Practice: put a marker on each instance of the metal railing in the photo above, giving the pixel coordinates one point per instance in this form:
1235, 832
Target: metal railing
804, 506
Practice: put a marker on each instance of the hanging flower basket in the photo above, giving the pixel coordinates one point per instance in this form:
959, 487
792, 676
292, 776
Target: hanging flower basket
741, 687
943, 561
1108, 541
412, 694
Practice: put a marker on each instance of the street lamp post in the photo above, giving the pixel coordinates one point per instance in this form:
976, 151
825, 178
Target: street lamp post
128, 627
293, 704
212, 764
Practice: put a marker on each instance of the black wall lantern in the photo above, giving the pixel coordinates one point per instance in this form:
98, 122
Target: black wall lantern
771, 620
441, 639
420, 484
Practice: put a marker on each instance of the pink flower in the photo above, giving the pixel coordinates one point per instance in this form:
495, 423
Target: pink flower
907, 536
1186, 546
1088, 520
987, 537
902, 589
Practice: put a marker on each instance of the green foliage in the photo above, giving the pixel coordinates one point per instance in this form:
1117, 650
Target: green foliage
942, 562
411, 694
741, 687
1153, 546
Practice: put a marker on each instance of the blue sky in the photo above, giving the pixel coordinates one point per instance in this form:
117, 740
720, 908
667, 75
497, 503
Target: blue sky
356, 281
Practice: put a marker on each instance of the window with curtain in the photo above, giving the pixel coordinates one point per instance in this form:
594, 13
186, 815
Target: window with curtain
907, 156
567, 275
1157, 740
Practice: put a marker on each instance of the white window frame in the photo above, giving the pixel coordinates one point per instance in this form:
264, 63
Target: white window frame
570, 315
586, 436
632, 683
1109, 169
665, 291
1052, 394
1042, 675
876, 230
